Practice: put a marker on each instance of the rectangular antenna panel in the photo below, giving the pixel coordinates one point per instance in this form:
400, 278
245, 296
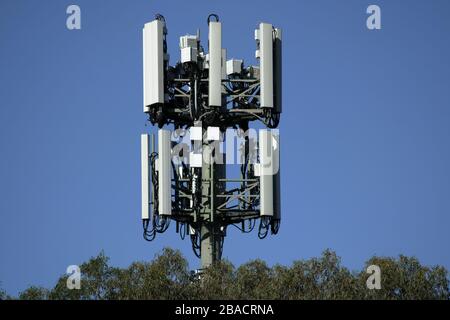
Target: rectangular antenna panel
164, 173
215, 64
145, 178
265, 38
269, 167
153, 60
234, 66
277, 71
224, 65
276, 178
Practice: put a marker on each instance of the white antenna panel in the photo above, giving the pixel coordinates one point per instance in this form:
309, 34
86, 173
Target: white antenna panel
269, 175
215, 64
265, 53
164, 173
153, 59
145, 178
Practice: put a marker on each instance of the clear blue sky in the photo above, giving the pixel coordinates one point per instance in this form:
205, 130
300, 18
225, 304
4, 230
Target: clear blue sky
365, 131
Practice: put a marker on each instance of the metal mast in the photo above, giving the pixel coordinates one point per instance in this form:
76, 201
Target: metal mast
204, 97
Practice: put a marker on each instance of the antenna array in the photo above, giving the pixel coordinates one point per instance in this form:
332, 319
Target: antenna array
204, 96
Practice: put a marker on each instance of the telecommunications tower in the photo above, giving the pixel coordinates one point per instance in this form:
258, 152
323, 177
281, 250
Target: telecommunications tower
204, 97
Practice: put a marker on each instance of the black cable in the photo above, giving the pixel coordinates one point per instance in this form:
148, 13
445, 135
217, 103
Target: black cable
251, 226
153, 157
263, 228
183, 231
213, 15
160, 17
161, 223
148, 235
196, 246
222, 240
275, 226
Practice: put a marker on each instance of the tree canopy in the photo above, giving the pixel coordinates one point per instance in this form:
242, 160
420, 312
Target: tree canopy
168, 276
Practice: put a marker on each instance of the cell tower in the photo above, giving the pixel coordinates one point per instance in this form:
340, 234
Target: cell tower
204, 97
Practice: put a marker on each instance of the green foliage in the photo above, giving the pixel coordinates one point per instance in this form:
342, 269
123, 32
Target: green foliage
317, 278
217, 282
2, 294
407, 279
96, 276
168, 277
253, 280
34, 293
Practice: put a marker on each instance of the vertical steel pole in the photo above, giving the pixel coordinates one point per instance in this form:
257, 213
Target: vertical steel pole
211, 232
